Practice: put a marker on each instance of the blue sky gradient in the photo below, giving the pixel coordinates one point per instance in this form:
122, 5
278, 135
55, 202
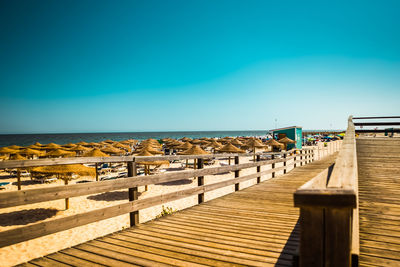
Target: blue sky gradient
106, 66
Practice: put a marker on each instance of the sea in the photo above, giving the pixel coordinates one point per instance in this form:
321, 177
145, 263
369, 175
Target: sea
65, 138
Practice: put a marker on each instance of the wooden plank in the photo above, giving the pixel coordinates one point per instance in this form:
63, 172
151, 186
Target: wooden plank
312, 237
133, 193
48, 227
30, 196
114, 159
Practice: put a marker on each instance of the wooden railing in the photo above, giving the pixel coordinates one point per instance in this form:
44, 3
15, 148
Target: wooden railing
329, 213
361, 121
30, 196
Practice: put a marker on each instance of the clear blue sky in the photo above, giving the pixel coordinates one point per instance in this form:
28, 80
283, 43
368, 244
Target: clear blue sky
99, 66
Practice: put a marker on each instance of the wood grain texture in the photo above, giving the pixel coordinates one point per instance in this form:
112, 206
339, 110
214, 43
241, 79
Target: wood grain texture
256, 226
379, 201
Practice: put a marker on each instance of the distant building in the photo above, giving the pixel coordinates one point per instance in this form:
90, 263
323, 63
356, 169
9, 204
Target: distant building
292, 132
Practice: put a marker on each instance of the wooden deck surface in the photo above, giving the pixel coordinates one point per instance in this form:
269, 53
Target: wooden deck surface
379, 201
257, 226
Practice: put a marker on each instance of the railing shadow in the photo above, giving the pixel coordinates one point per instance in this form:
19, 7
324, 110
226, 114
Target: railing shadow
291, 247
24, 217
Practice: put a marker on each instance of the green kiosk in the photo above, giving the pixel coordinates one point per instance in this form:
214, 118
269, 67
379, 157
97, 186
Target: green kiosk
293, 132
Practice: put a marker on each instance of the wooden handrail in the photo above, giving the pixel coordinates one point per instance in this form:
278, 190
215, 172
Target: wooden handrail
30, 196
83, 160
328, 211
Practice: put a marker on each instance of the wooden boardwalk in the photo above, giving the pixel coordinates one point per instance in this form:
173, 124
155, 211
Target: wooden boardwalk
257, 226
379, 201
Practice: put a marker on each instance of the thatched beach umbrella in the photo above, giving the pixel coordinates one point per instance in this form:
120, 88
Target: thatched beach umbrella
285, 140
229, 148
15, 147
31, 152
145, 153
51, 146
82, 143
17, 157
60, 153
253, 144
38, 144
185, 139
69, 145
6, 150
34, 147
215, 145
273, 143
64, 172
194, 150
119, 145
112, 150
79, 149
95, 153
184, 146
236, 143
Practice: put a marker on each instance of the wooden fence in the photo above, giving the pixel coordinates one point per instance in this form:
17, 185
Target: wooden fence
328, 211
30, 196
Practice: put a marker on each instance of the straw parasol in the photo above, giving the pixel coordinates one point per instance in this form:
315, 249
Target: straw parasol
111, 150
17, 157
69, 145
150, 149
60, 153
119, 145
38, 144
82, 143
236, 142
6, 150
79, 148
184, 146
51, 146
147, 164
64, 172
15, 147
229, 148
34, 147
215, 145
285, 140
273, 143
108, 141
29, 151
95, 152
194, 150
254, 143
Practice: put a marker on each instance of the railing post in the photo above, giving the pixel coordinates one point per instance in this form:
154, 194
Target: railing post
19, 179
258, 169
96, 165
301, 157
294, 159
237, 173
200, 179
133, 193
284, 163
273, 166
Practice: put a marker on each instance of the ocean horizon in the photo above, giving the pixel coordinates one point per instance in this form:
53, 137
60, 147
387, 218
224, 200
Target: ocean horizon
64, 138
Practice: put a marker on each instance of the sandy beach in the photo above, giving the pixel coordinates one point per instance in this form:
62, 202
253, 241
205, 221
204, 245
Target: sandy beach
15, 217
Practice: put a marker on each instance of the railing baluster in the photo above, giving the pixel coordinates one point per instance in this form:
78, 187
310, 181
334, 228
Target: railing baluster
200, 179
133, 193
258, 169
237, 173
